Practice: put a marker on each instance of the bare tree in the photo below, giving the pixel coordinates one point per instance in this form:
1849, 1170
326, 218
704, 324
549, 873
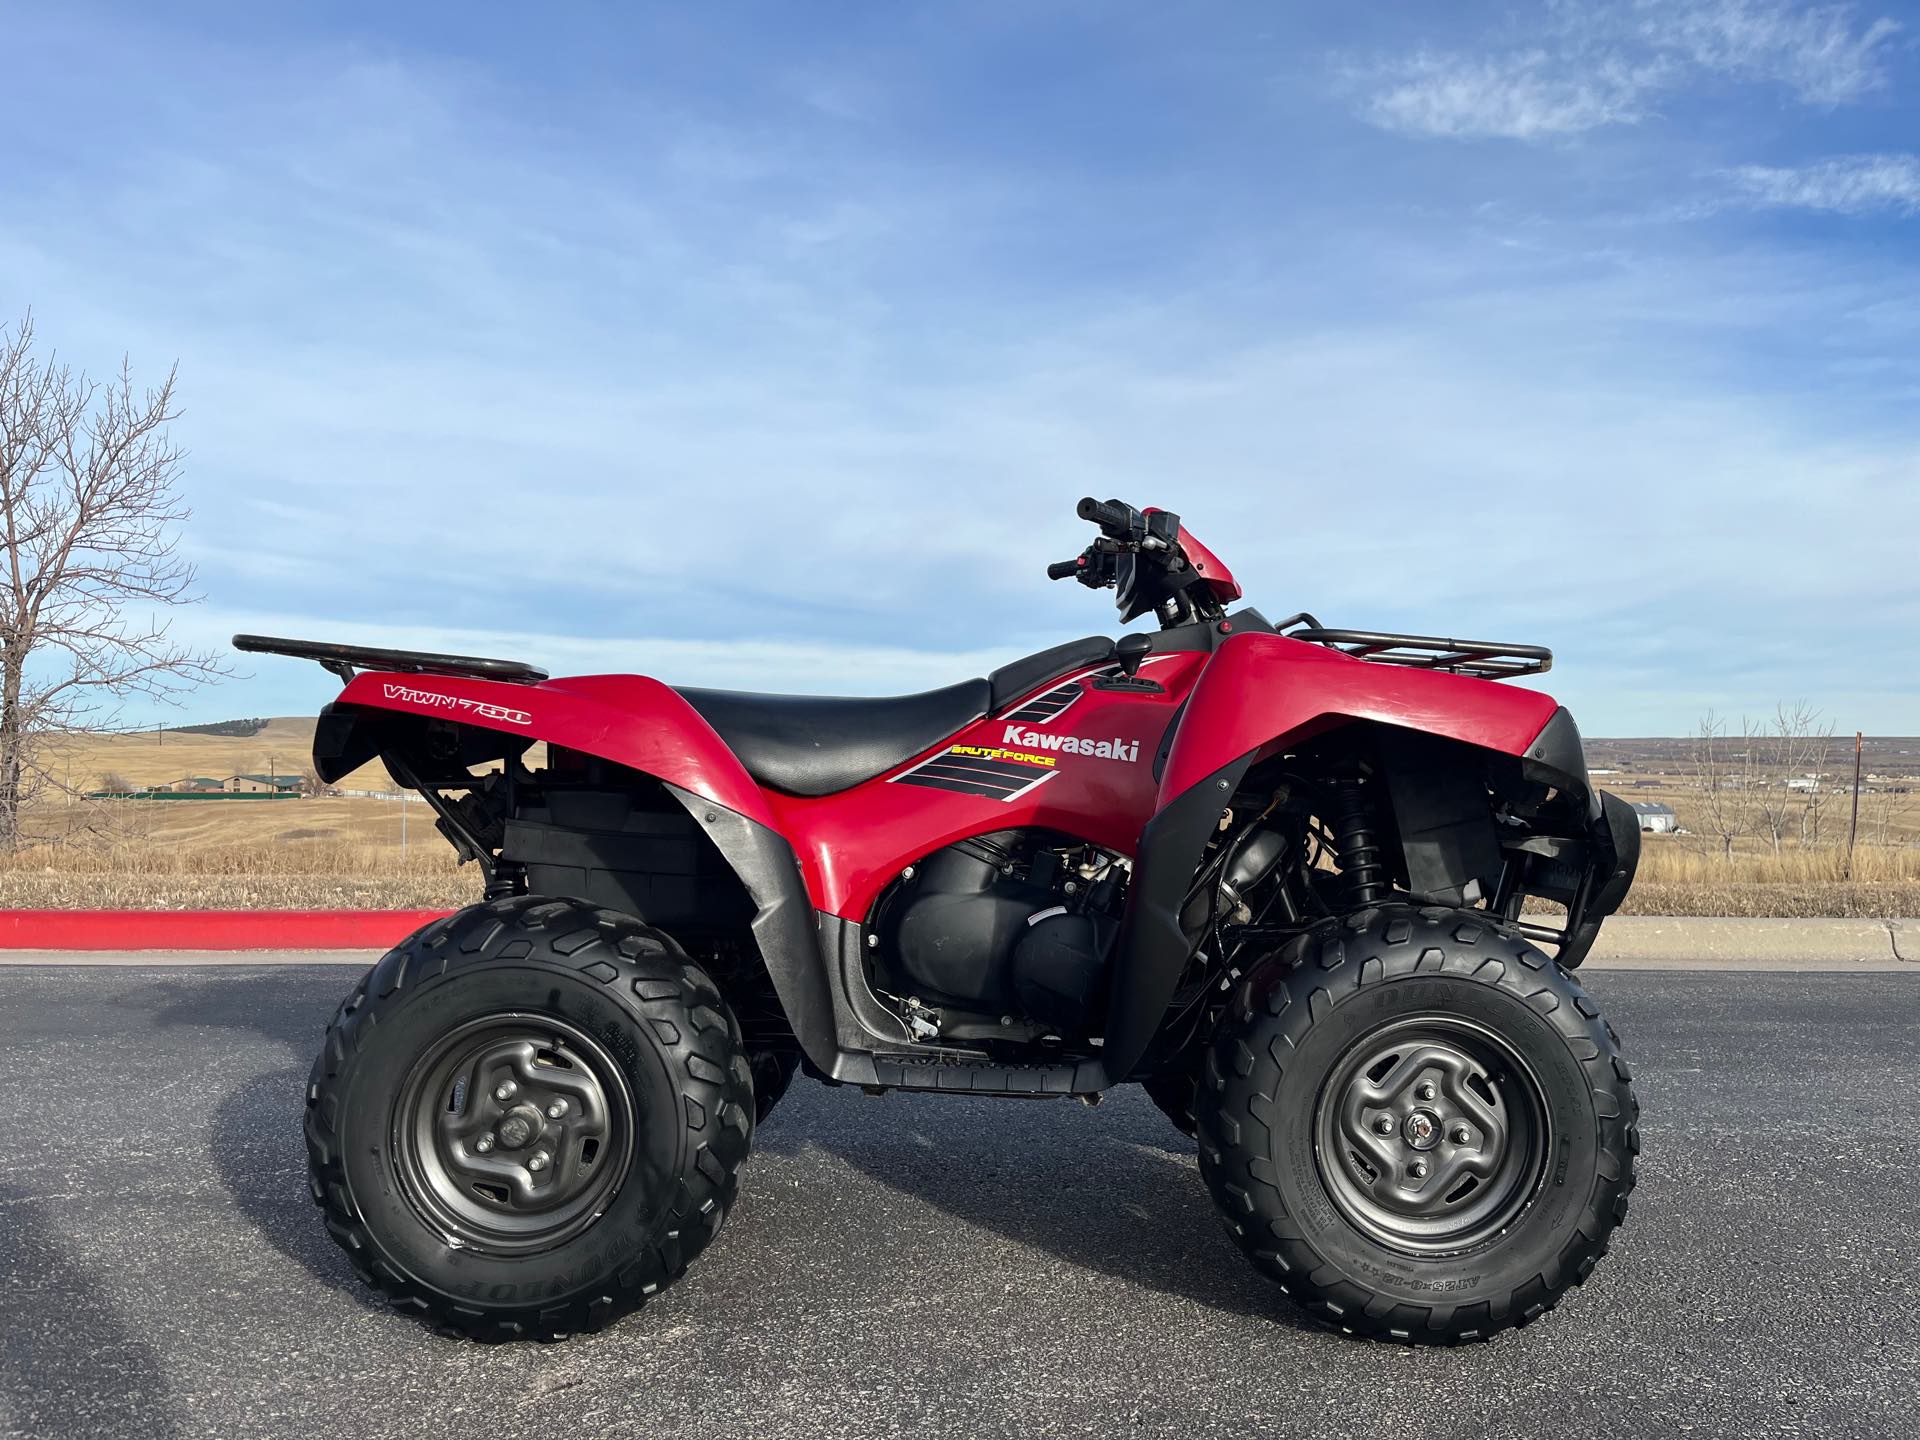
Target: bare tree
114, 783
89, 517
1729, 777
1791, 751
1879, 808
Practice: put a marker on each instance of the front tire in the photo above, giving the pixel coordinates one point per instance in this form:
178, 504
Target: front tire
528, 1117
1418, 1125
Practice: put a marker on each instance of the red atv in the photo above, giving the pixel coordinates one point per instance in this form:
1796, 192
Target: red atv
1275, 873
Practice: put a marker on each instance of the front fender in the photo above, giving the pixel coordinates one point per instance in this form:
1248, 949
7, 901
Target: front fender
631, 720
1261, 694
1265, 691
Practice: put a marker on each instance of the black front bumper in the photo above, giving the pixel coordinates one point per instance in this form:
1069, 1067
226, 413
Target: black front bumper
1591, 878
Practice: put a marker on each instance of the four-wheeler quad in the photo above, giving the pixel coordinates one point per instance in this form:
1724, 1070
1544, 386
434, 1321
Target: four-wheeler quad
1275, 873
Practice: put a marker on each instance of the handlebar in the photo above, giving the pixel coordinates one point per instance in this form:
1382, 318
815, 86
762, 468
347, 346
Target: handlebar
1110, 515
1140, 557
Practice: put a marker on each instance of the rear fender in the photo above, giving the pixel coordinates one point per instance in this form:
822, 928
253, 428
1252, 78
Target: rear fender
643, 725
631, 720
1260, 695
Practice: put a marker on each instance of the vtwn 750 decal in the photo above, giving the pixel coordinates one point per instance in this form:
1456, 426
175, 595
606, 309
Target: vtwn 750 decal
480, 708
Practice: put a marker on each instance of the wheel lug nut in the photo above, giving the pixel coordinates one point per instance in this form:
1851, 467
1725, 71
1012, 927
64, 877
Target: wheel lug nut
1461, 1134
504, 1090
537, 1161
1384, 1125
556, 1109
1418, 1169
1426, 1092
483, 1144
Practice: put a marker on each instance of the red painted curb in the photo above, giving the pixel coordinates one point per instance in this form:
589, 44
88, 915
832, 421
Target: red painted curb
209, 929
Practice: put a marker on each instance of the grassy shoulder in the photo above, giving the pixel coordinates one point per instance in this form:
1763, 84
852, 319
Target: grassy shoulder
375, 854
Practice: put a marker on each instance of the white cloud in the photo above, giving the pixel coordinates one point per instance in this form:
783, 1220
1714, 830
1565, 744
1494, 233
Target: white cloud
1519, 97
1848, 185
1818, 52
1609, 65
463, 382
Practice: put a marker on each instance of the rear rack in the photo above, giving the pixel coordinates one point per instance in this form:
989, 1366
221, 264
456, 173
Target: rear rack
343, 660
1483, 658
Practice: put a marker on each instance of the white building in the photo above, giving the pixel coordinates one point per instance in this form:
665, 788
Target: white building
1656, 817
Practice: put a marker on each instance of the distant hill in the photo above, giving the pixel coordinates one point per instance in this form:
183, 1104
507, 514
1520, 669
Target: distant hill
220, 727
284, 746
281, 746
1669, 755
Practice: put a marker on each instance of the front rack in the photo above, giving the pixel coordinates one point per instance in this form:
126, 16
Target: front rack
1482, 658
343, 660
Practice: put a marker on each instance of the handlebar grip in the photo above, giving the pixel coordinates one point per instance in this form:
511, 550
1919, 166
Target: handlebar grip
1064, 569
1110, 515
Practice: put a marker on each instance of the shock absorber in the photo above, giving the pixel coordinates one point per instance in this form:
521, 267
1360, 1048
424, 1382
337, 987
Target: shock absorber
1356, 845
507, 878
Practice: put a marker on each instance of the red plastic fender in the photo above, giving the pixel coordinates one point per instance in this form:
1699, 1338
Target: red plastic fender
1267, 691
632, 720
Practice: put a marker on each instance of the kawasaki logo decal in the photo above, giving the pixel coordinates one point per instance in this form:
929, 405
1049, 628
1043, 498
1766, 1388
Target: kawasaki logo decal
1114, 749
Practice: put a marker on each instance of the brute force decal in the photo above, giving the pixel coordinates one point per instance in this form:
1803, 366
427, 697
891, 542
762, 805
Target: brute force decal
994, 752
985, 770
1011, 769
435, 700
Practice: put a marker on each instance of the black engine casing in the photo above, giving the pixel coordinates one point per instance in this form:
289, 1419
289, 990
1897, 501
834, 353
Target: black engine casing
952, 927
1057, 967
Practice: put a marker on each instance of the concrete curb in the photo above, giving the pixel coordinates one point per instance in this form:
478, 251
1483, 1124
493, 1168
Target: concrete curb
208, 930
1660, 942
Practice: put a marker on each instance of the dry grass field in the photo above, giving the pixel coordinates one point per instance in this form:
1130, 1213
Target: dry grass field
148, 758
1686, 873
375, 853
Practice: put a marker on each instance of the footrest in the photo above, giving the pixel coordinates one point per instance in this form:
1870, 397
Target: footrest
895, 1072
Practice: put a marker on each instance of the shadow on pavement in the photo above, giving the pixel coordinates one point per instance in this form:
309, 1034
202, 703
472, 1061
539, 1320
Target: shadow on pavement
1112, 1195
1116, 1193
292, 1009
67, 1360
262, 1158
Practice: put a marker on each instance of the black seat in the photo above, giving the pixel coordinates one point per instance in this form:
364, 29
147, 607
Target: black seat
817, 744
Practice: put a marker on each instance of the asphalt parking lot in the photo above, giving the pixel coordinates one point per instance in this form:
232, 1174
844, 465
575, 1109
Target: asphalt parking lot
930, 1266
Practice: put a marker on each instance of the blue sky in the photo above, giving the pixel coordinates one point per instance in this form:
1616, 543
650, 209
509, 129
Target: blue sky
770, 345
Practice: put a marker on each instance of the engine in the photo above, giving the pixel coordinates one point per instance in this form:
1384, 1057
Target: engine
1010, 930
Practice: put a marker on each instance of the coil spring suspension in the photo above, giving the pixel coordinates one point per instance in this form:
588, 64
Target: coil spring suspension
1356, 846
506, 880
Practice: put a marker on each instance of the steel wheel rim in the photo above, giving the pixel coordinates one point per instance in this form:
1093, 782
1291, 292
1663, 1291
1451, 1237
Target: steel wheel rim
1431, 1135
512, 1133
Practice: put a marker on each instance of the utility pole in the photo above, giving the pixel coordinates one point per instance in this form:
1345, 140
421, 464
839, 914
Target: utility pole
1853, 826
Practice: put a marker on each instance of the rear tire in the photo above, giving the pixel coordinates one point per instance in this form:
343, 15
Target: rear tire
528, 1117
1418, 1125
